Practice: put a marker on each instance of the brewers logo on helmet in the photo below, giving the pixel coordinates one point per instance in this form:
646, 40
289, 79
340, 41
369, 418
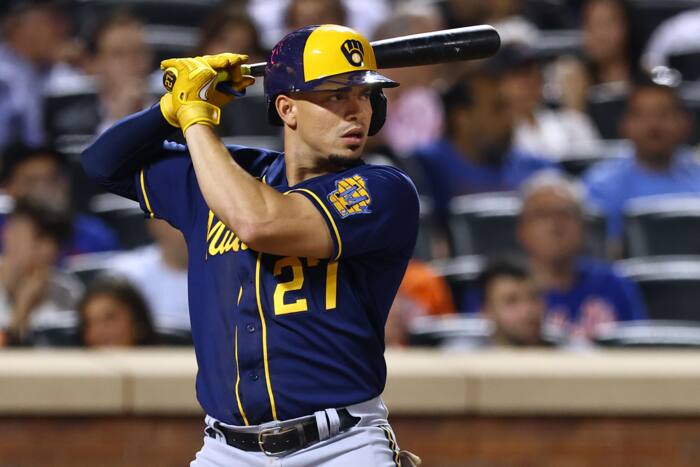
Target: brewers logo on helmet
336, 56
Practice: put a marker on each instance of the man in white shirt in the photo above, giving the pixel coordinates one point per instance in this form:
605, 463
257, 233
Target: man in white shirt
159, 272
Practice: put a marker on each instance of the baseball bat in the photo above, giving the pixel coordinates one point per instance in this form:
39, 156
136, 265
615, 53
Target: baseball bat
430, 48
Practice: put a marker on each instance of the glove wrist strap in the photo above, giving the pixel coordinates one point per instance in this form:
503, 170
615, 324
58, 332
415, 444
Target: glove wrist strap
166, 109
202, 112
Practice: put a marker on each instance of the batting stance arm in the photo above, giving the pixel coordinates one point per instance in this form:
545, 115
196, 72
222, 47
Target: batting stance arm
266, 220
120, 152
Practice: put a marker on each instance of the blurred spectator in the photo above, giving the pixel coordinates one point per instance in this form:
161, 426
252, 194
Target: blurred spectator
675, 36
42, 174
458, 13
114, 314
513, 304
300, 13
537, 128
122, 62
157, 268
230, 30
415, 115
506, 17
34, 296
33, 33
580, 294
422, 292
275, 17
610, 59
475, 155
656, 124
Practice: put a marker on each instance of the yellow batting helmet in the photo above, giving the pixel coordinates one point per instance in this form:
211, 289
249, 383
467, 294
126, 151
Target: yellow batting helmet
327, 54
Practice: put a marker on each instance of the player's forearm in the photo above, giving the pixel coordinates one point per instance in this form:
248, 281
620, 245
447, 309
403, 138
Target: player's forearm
242, 202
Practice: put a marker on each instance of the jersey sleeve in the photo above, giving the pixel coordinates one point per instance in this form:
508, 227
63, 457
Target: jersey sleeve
167, 187
371, 209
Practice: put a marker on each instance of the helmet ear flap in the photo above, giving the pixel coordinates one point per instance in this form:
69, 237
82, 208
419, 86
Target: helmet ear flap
378, 101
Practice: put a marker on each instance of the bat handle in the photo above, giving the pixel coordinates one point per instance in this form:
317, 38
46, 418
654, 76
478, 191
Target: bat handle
253, 69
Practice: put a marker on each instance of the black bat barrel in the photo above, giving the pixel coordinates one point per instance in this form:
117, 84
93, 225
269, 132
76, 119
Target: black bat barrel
429, 48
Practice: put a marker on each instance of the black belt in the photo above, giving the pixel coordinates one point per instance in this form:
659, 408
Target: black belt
274, 441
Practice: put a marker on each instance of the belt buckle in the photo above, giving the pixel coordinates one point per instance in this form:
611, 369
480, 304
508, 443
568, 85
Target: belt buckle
271, 431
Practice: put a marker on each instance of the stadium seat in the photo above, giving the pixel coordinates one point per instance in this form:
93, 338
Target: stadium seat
670, 285
576, 163
125, 217
662, 225
485, 224
650, 334
647, 15
71, 113
89, 265
690, 94
606, 110
688, 64
247, 116
426, 225
461, 274
458, 331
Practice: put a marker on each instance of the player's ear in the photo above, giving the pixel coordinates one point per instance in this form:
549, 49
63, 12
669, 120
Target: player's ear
287, 110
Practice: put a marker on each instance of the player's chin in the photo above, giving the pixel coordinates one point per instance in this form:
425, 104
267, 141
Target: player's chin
353, 149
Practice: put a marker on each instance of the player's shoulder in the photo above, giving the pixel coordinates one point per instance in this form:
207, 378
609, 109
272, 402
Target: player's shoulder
387, 176
383, 185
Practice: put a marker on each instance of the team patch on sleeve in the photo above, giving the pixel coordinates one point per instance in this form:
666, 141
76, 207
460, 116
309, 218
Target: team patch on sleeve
351, 196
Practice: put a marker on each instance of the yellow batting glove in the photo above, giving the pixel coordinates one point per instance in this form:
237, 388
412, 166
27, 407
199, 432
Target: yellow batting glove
192, 81
167, 108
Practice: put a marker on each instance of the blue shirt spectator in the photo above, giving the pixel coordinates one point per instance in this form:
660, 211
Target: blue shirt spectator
475, 155
450, 174
598, 288
581, 295
41, 173
89, 235
33, 32
611, 184
657, 125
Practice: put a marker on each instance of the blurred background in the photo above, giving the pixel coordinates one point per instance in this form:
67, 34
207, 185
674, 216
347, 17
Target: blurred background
551, 312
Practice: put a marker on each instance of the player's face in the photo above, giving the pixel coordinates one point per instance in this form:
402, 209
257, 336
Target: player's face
334, 123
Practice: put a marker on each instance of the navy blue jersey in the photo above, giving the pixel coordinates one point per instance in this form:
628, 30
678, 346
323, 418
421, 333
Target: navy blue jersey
281, 337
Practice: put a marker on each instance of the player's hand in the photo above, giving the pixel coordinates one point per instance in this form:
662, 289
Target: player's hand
191, 81
194, 97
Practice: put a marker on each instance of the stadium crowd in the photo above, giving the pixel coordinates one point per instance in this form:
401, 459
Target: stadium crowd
558, 179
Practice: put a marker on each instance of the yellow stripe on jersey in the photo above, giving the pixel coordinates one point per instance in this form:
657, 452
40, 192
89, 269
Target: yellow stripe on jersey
264, 338
145, 195
328, 215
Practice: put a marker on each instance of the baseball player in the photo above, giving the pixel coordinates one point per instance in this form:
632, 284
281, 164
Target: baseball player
294, 257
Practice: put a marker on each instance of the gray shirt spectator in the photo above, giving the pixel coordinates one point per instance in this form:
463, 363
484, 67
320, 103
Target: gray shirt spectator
33, 33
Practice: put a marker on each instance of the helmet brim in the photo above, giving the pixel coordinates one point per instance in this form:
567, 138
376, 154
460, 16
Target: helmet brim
355, 78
